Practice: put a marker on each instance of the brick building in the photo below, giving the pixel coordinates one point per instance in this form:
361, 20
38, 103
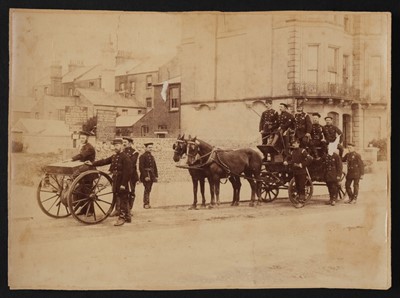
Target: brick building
336, 62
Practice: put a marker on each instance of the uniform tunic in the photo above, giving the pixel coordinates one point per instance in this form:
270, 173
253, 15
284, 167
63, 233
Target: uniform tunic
330, 132
333, 167
268, 121
333, 170
286, 120
87, 152
302, 124
133, 155
120, 167
147, 167
316, 132
355, 166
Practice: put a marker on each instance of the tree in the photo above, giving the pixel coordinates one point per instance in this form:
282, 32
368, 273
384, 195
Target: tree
91, 125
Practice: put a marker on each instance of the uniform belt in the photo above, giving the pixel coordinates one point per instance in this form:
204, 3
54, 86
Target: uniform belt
148, 169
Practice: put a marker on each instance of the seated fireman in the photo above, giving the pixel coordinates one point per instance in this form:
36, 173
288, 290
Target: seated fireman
286, 122
268, 122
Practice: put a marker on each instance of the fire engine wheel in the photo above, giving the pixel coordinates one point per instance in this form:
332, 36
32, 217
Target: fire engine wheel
90, 197
49, 196
269, 188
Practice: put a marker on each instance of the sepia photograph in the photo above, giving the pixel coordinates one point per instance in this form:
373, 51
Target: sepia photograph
199, 150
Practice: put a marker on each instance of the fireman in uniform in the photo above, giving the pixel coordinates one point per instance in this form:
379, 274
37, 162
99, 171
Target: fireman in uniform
300, 160
330, 132
285, 122
133, 155
355, 172
86, 153
268, 122
121, 168
148, 173
302, 126
333, 171
317, 137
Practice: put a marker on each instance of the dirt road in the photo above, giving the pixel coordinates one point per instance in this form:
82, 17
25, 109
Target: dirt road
274, 245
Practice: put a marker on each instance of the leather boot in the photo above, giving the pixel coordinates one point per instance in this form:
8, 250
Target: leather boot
120, 221
117, 207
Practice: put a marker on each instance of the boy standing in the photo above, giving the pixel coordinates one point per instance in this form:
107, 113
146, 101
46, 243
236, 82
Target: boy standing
355, 172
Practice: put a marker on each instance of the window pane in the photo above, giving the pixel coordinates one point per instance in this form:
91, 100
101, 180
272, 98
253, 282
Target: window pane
313, 57
174, 93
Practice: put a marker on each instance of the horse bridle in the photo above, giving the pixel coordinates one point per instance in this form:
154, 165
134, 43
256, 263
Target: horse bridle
178, 149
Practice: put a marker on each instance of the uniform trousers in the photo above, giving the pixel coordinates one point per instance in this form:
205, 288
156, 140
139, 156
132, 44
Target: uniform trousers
147, 190
123, 208
300, 180
333, 190
352, 194
132, 186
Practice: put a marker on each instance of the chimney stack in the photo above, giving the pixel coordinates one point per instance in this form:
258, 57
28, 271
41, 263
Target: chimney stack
56, 79
74, 64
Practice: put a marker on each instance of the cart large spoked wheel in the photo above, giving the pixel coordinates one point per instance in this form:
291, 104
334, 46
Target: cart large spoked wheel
269, 187
294, 196
90, 197
51, 196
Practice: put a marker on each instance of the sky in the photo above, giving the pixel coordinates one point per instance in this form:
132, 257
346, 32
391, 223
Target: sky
38, 37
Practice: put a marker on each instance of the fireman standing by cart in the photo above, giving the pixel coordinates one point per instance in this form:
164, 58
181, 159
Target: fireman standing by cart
133, 155
355, 172
333, 172
300, 160
148, 173
121, 168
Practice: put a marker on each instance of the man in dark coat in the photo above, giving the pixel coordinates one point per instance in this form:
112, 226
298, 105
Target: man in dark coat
120, 167
317, 137
333, 172
268, 122
331, 132
355, 172
300, 160
302, 126
86, 153
133, 155
285, 122
148, 173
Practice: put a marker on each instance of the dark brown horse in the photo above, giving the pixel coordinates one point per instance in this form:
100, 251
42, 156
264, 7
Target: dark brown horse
219, 164
197, 175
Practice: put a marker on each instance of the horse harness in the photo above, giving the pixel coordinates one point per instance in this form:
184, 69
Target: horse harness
214, 157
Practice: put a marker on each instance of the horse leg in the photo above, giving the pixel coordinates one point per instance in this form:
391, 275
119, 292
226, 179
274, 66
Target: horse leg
212, 192
239, 185
217, 185
253, 187
195, 184
232, 179
203, 198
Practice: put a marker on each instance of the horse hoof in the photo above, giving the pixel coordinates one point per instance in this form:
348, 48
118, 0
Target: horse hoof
192, 208
251, 204
211, 206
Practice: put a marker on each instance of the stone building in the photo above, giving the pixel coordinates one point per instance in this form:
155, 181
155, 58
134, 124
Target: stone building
336, 62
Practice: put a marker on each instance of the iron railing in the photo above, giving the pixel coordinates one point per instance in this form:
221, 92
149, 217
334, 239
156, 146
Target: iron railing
342, 91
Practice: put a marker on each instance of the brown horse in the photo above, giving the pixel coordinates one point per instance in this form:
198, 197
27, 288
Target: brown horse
230, 164
198, 175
